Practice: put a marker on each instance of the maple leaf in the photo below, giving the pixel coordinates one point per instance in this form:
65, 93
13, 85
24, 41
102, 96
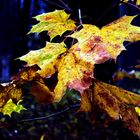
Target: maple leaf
75, 66
98, 45
11, 107
115, 102
56, 23
45, 58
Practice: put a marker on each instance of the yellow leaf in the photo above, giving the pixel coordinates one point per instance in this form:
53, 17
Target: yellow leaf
56, 23
138, 2
98, 45
45, 58
10, 107
137, 109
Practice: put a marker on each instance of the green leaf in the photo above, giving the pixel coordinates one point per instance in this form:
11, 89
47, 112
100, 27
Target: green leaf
10, 107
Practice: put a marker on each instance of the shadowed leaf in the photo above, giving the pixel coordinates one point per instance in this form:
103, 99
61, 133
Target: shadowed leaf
116, 103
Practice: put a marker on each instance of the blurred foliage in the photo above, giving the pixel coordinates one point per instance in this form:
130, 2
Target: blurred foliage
58, 122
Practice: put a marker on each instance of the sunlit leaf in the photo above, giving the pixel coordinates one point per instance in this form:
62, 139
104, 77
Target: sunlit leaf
45, 58
56, 23
98, 45
72, 73
137, 109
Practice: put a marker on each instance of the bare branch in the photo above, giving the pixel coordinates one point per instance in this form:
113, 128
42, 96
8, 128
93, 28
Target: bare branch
65, 5
80, 17
58, 5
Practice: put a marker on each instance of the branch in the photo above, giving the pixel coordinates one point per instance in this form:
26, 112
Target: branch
80, 17
65, 5
133, 5
51, 115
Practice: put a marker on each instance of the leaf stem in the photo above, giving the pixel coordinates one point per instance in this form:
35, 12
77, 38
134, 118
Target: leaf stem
80, 17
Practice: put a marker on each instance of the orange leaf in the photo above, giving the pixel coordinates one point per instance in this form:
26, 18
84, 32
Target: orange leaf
26, 74
116, 103
41, 92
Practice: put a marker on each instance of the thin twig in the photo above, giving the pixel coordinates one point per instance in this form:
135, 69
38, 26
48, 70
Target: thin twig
52, 115
80, 17
133, 5
65, 5
128, 44
55, 4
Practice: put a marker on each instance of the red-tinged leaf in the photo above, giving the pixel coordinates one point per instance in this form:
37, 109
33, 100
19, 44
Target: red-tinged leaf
72, 73
98, 45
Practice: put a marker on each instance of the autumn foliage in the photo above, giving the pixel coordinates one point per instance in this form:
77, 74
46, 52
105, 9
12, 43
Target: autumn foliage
74, 68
